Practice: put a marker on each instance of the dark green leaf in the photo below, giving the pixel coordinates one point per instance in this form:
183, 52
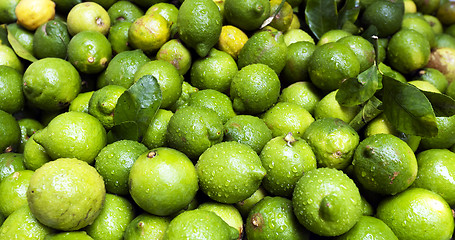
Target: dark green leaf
125, 130
125, 109
369, 32
349, 12
443, 105
19, 49
408, 109
146, 93
370, 110
321, 16
355, 91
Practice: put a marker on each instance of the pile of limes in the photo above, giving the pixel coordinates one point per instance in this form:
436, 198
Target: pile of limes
227, 119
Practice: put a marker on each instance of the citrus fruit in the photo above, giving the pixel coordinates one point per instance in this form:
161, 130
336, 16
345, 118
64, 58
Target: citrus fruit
102, 104
163, 181
332, 36
445, 13
21, 224
32, 13
283, 17
118, 37
10, 132
174, 52
88, 16
286, 117
80, 103
51, 40
322, 199
246, 15
231, 40
443, 59
28, 127
66, 194
302, 93
11, 96
363, 50
328, 106
22, 35
9, 58
146, 226
434, 77
249, 130
193, 129
273, 218
7, 10
246, 205
385, 15
155, 135
34, 155
444, 40
72, 135
297, 59
286, 159
124, 11
167, 10
420, 25
369, 227
199, 25
384, 164
182, 101
229, 172
123, 66
149, 32
13, 191
417, 213
445, 137
435, 24
72, 235
215, 71
227, 212
114, 163
254, 89
212, 99
10, 163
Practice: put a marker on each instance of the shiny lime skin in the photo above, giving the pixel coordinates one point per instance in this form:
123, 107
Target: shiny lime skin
10, 163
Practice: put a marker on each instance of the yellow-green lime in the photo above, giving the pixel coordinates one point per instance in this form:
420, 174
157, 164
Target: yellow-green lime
177, 54
302, 93
328, 106
420, 25
435, 24
10, 132
22, 224
155, 135
28, 127
363, 50
149, 32
297, 35
118, 37
246, 205
88, 16
71, 235
81, 102
212, 99
34, 154
283, 18
332, 36
227, 212
11, 96
9, 58
10, 163
146, 226
124, 11
369, 227
297, 59
102, 104
231, 40
444, 40
247, 15
434, 77
13, 191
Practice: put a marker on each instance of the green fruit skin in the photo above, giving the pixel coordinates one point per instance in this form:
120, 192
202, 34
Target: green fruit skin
199, 25
445, 137
155, 135
13, 190
75, 235
118, 37
256, 13
227, 212
246, 205
385, 164
215, 100
111, 223
51, 40
163, 181
11, 96
146, 226
199, 225
123, 66
369, 228
34, 155
264, 47
21, 224
285, 163
273, 218
10, 132
10, 163
28, 127
229, 172
322, 205
193, 129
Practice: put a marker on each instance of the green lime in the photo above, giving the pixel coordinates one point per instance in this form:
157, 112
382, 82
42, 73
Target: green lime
73, 235
155, 135
229, 172
297, 60
435, 170
51, 40
123, 66
9, 58
214, 100
384, 164
114, 163
386, 16
443, 59
13, 191
10, 132
51, 84
21, 224
88, 16
11, 96
89, 51
177, 54
246, 205
283, 18
35, 155
199, 25
331, 64
249, 130
167, 10
118, 37
265, 47
297, 35
417, 213
10, 163
273, 218
124, 11
66, 194
64, 6
332, 36
333, 142
215, 71
193, 129
369, 228
363, 50
28, 127
199, 224
327, 202
420, 25
102, 104
444, 40
445, 13
7, 13
302, 93
435, 24
182, 101
328, 106
408, 50
445, 137
149, 33
286, 159
433, 76
146, 226
163, 181
227, 212
72, 135
81, 102
22, 35
168, 78
246, 15
254, 89
114, 217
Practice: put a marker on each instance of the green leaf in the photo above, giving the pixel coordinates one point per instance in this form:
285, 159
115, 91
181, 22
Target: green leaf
19, 49
125, 109
321, 16
355, 91
370, 110
408, 109
270, 19
125, 130
349, 12
146, 93
443, 105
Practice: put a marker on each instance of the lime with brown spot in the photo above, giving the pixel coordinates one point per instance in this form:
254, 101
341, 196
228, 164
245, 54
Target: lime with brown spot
88, 16
147, 226
124, 11
149, 32
10, 163
174, 52
232, 40
10, 132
